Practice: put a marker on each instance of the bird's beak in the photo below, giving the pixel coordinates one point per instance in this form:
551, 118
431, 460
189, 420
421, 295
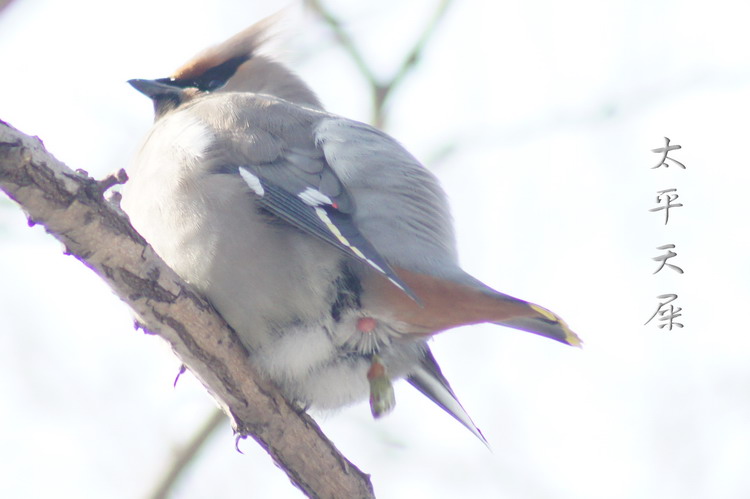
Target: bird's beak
153, 88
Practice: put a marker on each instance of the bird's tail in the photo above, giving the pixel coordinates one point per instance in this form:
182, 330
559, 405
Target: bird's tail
448, 303
544, 323
428, 379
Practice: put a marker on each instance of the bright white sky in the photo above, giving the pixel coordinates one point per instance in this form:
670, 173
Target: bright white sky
551, 110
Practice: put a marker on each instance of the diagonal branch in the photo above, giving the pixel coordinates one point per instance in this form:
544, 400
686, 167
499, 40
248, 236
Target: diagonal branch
4, 4
186, 455
71, 207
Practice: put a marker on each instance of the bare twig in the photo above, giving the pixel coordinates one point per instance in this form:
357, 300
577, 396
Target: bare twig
412, 58
380, 90
185, 456
347, 43
71, 207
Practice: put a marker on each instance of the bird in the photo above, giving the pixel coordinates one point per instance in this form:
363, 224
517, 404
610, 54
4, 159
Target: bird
326, 246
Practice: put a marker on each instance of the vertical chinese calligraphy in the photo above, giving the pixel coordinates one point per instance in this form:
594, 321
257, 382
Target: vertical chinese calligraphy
664, 197
664, 151
667, 312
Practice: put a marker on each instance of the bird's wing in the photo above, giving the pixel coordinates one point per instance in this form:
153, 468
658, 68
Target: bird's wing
401, 207
291, 179
402, 210
359, 190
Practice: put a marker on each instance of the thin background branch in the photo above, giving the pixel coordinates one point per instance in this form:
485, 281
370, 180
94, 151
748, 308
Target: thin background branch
380, 90
4, 4
186, 455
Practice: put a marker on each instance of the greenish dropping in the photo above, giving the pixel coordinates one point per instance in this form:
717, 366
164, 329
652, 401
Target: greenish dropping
382, 397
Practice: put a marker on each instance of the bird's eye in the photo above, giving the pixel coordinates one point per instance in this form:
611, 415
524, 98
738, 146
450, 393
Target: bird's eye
217, 76
212, 85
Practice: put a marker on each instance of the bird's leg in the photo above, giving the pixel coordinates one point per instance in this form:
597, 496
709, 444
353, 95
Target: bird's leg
382, 398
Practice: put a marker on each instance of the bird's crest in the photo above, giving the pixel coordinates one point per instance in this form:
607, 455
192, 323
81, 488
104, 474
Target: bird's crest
239, 64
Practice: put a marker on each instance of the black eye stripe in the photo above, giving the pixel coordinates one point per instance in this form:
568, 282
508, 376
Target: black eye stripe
212, 78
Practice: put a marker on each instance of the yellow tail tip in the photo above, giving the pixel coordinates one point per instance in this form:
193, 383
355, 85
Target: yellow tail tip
570, 338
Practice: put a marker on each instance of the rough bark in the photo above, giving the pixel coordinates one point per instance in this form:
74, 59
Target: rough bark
72, 208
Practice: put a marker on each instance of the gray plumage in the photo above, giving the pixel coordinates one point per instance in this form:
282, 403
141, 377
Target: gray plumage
298, 225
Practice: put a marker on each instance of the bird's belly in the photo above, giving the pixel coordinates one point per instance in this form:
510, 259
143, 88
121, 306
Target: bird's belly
277, 287
318, 365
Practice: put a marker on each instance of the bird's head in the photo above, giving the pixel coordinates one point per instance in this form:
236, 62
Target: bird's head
235, 65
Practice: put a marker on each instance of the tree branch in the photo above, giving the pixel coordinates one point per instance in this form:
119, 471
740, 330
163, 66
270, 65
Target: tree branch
185, 455
71, 207
379, 89
4, 4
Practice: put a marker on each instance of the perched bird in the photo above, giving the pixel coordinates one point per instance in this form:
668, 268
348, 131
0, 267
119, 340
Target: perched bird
326, 246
